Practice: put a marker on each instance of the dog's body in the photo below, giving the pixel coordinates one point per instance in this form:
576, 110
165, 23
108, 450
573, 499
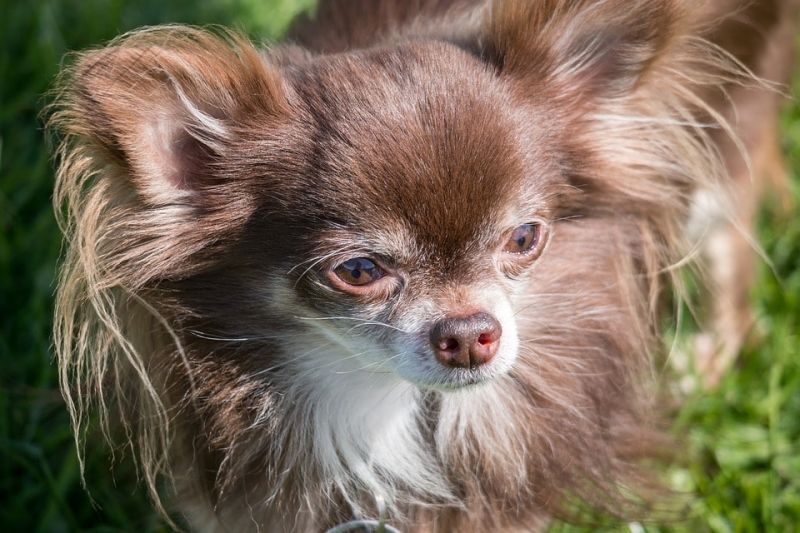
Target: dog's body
417, 257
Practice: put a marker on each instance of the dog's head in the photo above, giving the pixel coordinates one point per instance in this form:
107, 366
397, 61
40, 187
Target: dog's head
389, 203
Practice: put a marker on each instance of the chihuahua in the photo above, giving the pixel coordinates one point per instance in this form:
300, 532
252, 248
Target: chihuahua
411, 265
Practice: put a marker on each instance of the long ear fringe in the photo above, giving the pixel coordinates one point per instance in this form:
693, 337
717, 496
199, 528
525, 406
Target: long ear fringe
581, 47
117, 238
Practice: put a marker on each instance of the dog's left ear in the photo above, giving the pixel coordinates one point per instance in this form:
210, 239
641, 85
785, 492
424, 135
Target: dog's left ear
163, 137
578, 48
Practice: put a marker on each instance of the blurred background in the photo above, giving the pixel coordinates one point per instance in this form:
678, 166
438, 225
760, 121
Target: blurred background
740, 444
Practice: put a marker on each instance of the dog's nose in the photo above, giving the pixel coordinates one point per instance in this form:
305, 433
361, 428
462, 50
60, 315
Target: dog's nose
466, 342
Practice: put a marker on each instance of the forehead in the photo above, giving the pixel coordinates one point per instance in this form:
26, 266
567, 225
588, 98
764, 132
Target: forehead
422, 136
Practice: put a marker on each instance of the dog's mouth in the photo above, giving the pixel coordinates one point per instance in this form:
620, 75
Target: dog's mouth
460, 379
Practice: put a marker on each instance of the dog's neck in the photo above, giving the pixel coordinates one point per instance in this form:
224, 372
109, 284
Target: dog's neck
367, 427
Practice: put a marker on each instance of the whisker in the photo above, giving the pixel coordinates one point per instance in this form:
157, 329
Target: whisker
363, 322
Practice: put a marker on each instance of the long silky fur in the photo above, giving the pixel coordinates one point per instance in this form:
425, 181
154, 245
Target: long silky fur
571, 419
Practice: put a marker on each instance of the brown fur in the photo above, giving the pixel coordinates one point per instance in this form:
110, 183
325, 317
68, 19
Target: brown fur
208, 191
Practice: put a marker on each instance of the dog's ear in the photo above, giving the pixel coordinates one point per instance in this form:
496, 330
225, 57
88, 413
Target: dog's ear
578, 48
163, 105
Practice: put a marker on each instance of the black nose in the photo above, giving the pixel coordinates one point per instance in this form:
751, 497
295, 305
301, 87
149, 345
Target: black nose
466, 342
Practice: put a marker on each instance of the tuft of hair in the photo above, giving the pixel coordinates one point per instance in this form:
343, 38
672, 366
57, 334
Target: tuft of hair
139, 124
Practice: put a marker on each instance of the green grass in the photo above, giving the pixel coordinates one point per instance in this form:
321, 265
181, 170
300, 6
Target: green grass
742, 457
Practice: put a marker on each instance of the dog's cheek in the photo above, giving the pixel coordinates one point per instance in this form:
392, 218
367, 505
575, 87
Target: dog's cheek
509, 344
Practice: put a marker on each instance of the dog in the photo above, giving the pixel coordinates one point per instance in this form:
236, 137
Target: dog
411, 265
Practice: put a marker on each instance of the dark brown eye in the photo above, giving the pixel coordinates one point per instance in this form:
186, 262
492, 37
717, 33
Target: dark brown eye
359, 271
523, 239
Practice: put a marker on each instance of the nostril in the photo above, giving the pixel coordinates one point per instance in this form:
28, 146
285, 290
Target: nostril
450, 345
486, 338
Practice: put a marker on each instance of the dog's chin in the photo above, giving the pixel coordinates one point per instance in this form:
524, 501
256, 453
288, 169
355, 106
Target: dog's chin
444, 379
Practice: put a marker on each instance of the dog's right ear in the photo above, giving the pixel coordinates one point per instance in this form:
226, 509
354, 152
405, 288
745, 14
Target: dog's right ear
163, 104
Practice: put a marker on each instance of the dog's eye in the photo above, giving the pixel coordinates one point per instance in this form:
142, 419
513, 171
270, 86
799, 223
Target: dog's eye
523, 239
359, 271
